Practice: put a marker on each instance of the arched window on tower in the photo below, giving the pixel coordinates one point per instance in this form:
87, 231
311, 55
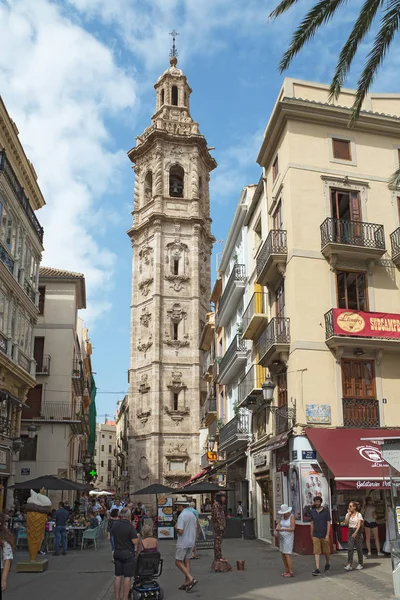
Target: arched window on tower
174, 95
200, 187
148, 187
176, 176
162, 96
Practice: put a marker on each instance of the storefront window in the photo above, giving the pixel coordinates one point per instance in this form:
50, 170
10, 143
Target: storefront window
264, 486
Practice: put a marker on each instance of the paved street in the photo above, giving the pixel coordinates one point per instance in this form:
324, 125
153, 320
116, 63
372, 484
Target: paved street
88, 576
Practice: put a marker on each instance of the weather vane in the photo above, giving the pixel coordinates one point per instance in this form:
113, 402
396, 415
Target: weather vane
174, 51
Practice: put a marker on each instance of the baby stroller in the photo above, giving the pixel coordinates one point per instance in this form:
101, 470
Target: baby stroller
148, 567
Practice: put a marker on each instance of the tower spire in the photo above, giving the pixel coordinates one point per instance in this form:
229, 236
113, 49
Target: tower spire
173, 55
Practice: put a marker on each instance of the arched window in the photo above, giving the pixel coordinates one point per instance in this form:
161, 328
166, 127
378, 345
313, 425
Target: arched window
162, 96
200, 187
185, 99
148, 186
174, 95
176, 175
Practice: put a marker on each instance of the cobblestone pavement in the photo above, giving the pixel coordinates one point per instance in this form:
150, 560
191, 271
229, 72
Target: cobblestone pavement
89, 576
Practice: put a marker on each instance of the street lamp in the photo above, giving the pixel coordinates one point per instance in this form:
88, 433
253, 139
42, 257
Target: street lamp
32, 429
268, 390
211, 442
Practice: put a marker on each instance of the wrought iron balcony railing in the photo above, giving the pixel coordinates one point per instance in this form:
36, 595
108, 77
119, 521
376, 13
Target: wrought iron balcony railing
43, 366
395, 243
254, 314
30, 292
285, 418
210, 405
360, 412
276, 243
352, 233
237, 345
277, 332
55, 411
238, 275
239, 425
77, 376
18, 190
251, 384
6, 259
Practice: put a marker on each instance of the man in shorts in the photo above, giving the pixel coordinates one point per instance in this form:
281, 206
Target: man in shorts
186, 529
125, 540
320, 533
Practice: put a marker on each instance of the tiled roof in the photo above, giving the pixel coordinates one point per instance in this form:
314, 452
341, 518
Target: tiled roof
362, 112
50, 272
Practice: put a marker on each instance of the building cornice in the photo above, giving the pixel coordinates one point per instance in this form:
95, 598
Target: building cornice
234, 230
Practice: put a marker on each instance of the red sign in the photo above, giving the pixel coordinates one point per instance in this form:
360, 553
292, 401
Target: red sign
365, 324
365, 484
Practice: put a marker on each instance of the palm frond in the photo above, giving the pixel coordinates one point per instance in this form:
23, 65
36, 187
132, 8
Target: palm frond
389, 26
319, 14
394, 181
349, 50
282, 7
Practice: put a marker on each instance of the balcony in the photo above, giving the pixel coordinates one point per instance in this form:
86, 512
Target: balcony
6, 259
233, 361
271, 260
250, 388
210, 410
18, 190
43, 366
30, 292
77, 376
254, 316
208, 367
395, 243
235, 434
352, 239
364, 330
58, 412
359, 412
215, 369
233, 291
274, 341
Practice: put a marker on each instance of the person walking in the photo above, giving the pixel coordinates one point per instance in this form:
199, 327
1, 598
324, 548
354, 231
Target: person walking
6, 549
113, 517
320, 528
125, 541
186, 528
285, 532
218, 520
192, 507
60, 532
239, 510
371, 526
354, 520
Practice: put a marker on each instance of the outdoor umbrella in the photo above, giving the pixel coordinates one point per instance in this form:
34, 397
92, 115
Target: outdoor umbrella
202, 488
154, 490
48, 482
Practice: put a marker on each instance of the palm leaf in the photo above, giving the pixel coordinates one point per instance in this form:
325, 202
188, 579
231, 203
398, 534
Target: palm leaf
394, 181
349, 50
282, 7
389, 26
319, 14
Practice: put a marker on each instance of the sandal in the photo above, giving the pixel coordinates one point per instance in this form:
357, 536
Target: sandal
183, 587
288, 575
285, 574
191, 585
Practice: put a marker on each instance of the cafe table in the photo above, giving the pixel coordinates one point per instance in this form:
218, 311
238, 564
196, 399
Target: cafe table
77, 531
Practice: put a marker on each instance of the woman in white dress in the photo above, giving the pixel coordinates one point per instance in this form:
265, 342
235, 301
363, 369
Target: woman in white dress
285, 531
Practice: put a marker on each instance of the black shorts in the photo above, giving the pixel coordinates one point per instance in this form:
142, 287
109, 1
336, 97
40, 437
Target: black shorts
370, 524
124, 563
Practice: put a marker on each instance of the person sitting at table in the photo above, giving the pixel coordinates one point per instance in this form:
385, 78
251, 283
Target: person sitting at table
93, 522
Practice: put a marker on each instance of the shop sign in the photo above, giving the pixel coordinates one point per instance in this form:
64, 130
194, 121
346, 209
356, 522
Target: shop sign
318, 414
5, 460
373, 455
25, 471
211, 456
282, 460
278, 491
260, 460
308, 454
365, 484
366, 324
313, 484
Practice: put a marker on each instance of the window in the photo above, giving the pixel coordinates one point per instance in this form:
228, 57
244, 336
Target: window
34, 401
24, 333
265, 487
148, 187
42, 295
102, 448
102, 463
110, 449
38, 352
29, 449
176, 178
352, 290
175, 331
109, 468
162, 96
358, 379
101, 478
110, 437
185, 99
341, 149
200, 187
95, 451
176, 266
275, 169
257, 234
175, 401
282, 389
174, 95
277, 219
7, 229
103, 436
280, 300
4, 307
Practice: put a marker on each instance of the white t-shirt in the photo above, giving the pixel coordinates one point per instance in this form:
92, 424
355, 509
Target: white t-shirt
7, 553
353, 521
188, 523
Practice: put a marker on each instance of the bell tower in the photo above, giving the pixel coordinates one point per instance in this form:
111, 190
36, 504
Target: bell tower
171, 244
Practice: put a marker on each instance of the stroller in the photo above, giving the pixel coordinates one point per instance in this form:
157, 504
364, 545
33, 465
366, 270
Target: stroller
148, 567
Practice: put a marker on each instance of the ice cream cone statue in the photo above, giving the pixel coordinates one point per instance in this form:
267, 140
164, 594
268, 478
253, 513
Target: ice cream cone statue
38, 506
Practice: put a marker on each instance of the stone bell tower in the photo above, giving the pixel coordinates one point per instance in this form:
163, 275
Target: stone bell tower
172, 244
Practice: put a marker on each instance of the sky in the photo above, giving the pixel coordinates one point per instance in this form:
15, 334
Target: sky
77, 77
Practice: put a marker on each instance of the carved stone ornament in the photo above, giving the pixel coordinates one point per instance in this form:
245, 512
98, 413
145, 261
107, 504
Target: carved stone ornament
144, 385
143, 416
179, 450
177, 415
176, 313
177, 281
146, 255
176, 382
144, 346
177, 344
145, 317
144, 286
143, 468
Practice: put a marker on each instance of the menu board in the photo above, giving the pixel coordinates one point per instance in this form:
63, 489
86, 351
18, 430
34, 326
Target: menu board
165, 518
165, 513
165, 532
206, 535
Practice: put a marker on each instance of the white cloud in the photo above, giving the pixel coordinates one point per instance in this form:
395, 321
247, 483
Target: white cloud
60, 84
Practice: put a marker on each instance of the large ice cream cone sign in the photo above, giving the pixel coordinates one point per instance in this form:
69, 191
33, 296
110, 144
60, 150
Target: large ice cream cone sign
38, 506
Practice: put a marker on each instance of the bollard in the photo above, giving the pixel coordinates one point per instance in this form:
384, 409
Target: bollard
240, 565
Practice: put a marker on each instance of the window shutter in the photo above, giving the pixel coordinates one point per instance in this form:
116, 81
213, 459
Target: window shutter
341, 149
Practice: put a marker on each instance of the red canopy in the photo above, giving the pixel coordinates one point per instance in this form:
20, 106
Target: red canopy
355, 463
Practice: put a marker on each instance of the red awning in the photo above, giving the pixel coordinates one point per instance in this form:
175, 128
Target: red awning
278, 441
355, 463
198, 476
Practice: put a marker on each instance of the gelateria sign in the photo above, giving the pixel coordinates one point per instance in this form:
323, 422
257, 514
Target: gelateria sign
366, 324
